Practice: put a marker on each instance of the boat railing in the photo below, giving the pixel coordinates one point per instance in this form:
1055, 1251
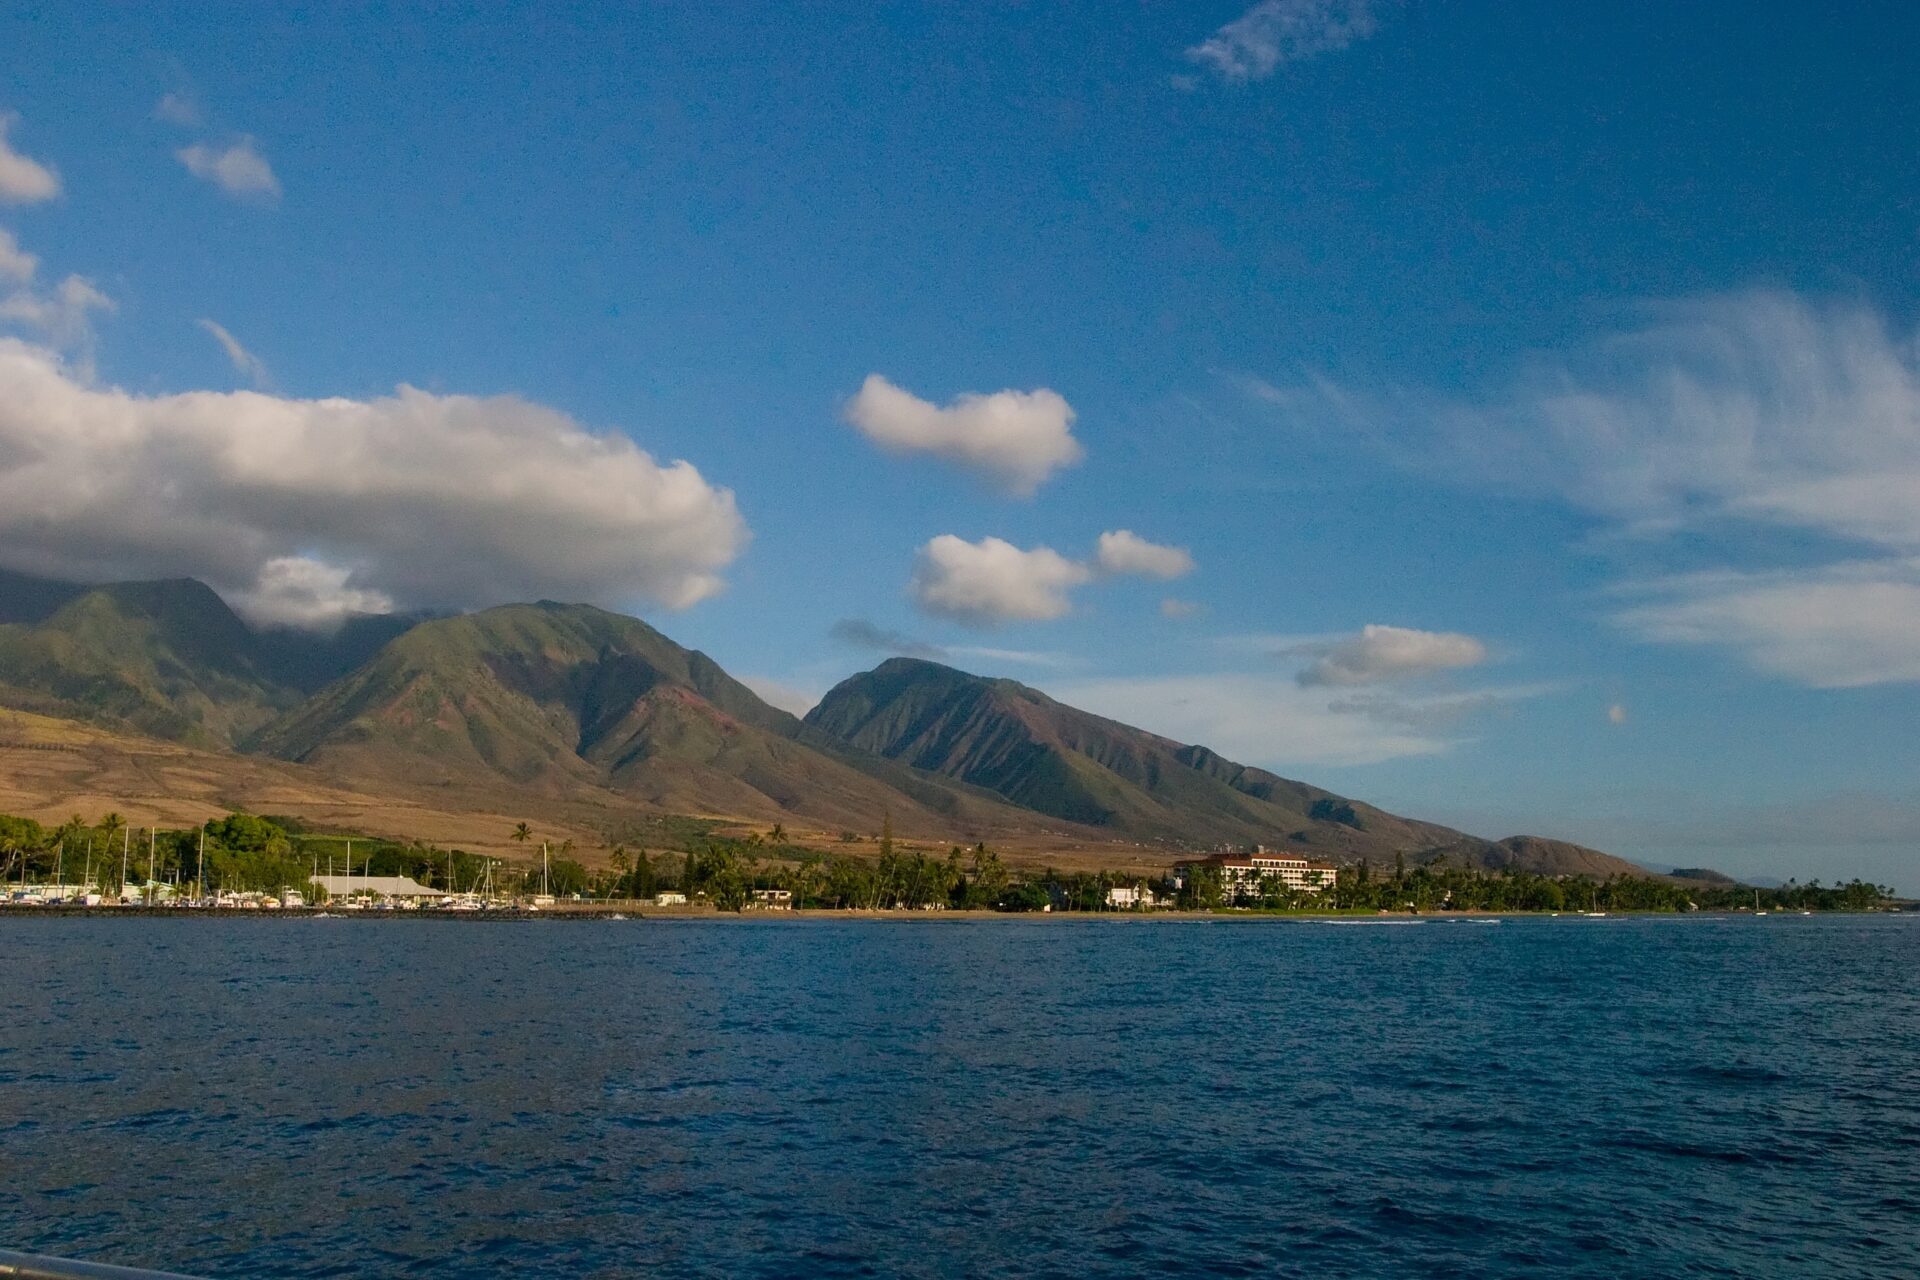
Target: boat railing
27, 1266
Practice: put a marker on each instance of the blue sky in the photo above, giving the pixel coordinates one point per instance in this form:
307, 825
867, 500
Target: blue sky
1569, 348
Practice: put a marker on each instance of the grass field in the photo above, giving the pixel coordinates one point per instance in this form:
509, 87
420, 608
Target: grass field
51, 769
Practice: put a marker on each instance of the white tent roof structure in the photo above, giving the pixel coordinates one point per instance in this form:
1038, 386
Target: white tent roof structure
379, 886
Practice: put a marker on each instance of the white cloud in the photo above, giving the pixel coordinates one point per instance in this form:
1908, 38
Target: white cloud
61, 316
1729, 414
1432, 713
1762, 407
1173, 607
981, 583
1015, 438
1123, 551
1019, 657
989, 581
1835, 627
784, 696
1270, 720
1276, 32
294, 591
16, 264
179, 108
862, 633
430, 500
23, 180
244, 361
1261, 719
1616, 714
1380, 655
237, 168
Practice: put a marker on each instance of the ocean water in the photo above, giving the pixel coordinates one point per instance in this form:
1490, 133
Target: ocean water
1570, 1097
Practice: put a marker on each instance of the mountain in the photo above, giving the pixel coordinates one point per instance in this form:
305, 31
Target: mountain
1081, 768
1535, 854
1708, 876
25, 598
550, 697
572, 709
167, 658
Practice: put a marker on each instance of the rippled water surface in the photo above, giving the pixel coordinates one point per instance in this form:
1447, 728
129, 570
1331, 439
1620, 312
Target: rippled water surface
1641, 1097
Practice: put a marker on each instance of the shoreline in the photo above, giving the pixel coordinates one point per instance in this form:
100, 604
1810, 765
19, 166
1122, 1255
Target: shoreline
622, 914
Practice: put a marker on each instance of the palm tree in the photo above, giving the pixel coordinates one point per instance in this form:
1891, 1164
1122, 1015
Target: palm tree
522, 833
110, 827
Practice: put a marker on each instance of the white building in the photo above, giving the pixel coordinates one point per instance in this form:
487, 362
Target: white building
1246, 876
670, 899
1129, 898
392, 888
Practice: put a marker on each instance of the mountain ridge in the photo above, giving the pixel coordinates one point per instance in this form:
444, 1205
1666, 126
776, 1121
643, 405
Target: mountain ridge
1079, 767
562, 700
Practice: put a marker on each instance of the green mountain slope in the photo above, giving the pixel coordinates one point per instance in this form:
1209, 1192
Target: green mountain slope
553, 696
1082, 768
576, 702
1538, 855
167, 658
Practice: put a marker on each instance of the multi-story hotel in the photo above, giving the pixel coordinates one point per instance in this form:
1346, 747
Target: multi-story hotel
1245, 875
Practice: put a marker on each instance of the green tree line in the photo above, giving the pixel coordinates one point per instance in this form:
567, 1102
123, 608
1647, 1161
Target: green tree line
245, 852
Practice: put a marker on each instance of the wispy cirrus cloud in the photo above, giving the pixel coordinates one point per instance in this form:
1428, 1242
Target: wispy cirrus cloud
1274, 33
1432, 714
1269, 719
862, 633
1740, 414
244, 361
1837, 626
1348, 698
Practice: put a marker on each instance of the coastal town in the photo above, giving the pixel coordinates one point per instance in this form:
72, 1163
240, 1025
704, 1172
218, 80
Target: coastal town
247, 863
